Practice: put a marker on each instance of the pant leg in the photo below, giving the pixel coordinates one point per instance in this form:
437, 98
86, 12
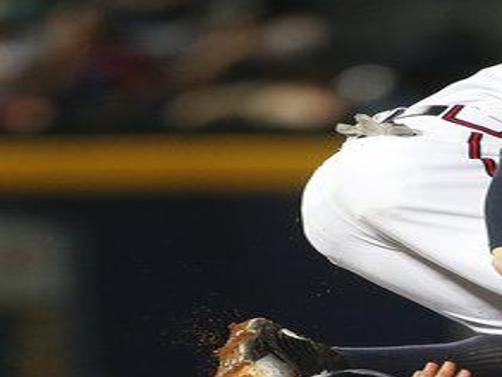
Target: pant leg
344, 212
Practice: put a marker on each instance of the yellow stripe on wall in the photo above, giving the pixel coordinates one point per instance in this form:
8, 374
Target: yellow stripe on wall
158, 163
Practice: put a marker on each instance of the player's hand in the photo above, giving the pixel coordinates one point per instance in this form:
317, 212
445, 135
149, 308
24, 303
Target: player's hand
448, 369
497, 259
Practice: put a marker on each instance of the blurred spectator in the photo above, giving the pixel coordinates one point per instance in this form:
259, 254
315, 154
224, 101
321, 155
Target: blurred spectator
253, 106
240, 65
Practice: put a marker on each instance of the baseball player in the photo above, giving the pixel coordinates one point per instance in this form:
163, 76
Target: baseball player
402, 204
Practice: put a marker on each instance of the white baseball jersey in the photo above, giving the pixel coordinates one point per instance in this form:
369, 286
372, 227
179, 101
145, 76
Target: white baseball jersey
407, 212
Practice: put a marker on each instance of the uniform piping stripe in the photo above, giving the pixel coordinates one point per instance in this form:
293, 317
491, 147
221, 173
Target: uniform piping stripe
474, 145
490, 166
475, 153
451, 116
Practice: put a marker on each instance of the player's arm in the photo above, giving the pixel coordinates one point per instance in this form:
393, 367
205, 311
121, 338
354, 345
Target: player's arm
493, 212
448, 369
497, 259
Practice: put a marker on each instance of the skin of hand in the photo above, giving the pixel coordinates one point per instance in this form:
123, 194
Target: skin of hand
497, 259
448, 369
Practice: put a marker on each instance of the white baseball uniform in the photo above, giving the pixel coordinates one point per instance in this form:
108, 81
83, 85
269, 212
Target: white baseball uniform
407, 212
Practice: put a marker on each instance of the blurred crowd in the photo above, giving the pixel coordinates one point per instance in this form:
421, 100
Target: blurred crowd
227, 65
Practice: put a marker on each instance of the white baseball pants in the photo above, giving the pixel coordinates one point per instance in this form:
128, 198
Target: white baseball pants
407, 214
